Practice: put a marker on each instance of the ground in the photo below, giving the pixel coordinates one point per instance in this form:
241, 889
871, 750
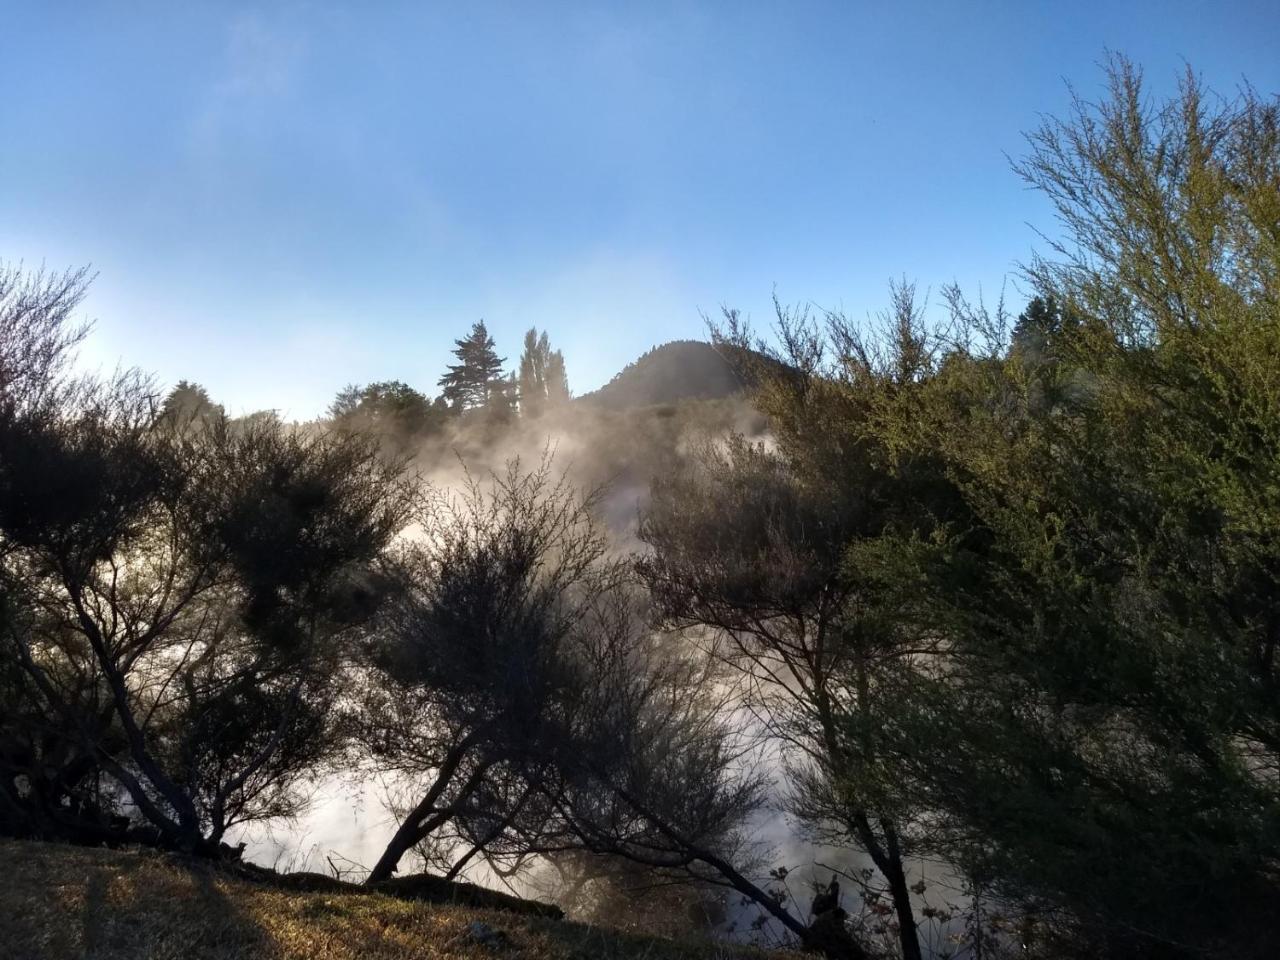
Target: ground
61, 902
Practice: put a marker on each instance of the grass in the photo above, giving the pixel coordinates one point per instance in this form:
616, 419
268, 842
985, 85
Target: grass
61, 902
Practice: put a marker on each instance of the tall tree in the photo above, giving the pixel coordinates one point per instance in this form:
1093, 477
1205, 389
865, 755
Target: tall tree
557, 380
1116, 696
542, 376
754, 551
470, 382
1086, 538
533, 372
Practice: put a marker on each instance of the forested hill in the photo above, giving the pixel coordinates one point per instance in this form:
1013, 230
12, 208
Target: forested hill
680, 370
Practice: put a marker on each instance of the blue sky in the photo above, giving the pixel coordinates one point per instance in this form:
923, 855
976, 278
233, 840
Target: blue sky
281, 198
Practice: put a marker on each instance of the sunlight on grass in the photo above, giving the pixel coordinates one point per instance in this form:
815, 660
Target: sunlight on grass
63, 902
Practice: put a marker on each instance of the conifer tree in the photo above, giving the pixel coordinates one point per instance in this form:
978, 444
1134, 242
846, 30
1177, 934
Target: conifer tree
469, 382
542, 376
533, 372
557, 380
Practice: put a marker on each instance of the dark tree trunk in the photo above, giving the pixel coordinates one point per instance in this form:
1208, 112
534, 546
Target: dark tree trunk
907, 934
419, 820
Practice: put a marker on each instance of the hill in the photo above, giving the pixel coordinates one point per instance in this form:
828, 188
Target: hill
680, 370
62, 902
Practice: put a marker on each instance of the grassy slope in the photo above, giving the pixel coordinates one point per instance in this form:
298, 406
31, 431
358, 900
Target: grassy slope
61, 902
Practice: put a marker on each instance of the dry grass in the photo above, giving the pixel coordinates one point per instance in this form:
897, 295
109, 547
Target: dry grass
61, 902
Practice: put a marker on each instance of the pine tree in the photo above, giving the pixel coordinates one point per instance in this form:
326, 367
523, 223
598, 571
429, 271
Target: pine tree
469, 382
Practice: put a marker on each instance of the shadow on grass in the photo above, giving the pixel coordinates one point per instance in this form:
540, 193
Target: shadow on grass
59, 902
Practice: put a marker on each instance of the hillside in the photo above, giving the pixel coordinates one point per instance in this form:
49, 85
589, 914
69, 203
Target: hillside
62, 902
680, 370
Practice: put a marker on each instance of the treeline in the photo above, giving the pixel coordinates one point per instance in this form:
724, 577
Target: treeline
1001, 594
475, 393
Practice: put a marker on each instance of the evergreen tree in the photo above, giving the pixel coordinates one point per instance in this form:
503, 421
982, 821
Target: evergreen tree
533, 372
469, 383
542, 376
557, 380
188, 403
503, 398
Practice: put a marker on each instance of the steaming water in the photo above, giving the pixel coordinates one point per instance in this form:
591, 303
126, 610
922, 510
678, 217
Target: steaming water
348, 823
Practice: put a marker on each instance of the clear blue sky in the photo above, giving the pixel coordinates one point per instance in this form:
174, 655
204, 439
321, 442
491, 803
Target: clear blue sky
283, 197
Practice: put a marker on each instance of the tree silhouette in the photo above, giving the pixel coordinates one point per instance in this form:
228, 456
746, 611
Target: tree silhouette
470, 381
542, 376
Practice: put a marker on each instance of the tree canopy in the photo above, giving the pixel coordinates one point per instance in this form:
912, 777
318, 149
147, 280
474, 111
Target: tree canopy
472, 382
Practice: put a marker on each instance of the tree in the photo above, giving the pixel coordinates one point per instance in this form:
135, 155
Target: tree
751, 552
542, 376
178, 600
38, 336
470, 382
51, 784
558, 392
518, 689
504, 399
1115, 689
187, 404
398, 415
1081, 529
476, 660
533, 373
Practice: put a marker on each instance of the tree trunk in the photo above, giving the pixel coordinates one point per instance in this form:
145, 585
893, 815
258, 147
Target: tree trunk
410, 832
908, 936
400, 844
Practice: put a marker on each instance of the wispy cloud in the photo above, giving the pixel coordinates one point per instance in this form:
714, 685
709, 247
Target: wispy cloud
260, 68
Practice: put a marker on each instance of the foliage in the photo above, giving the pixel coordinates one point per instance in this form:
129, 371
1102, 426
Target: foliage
177, 594
517, 689
398, 415
1082, 535
188, 404
472, 382
542, 380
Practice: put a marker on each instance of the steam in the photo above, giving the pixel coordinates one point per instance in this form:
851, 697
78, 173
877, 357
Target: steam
617, 452
351, 817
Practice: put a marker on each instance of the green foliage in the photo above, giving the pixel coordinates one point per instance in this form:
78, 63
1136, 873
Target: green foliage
1085, 531
1123, 611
